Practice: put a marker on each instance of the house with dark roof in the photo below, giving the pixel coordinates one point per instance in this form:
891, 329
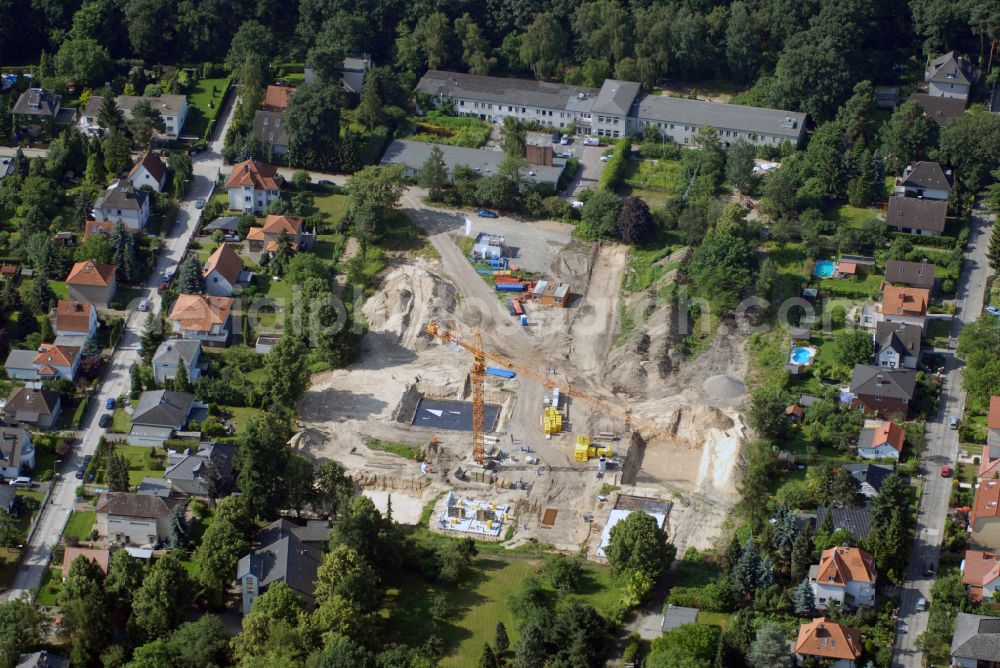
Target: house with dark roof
897, 345
942, 109
352, 72
208, 472
127, 518
157, 415
869, 476
286, 554
225, 224
39, 110
677, 615
975, 642
91, 281
149, 171
252, 186
881, 391
269, 127
855, 521
916, 216
924, 179
171, 354
912, 274
948, 76
981, 574
17, 452
173, 109
222, 271
27, 407
125, 202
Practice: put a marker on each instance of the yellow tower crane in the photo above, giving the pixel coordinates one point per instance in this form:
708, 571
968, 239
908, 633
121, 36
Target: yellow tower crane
478, 377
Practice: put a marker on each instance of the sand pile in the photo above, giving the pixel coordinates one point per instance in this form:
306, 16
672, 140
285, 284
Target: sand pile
724, 387
720, 435
410, 298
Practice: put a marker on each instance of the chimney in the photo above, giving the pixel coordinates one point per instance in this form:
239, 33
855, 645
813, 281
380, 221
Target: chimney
879, 379
78, 306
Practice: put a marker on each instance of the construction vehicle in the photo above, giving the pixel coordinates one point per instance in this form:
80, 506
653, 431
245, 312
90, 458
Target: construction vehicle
478, 375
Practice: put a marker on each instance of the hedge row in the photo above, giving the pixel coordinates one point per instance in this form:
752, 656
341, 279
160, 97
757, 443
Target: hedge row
946, 243
614, 168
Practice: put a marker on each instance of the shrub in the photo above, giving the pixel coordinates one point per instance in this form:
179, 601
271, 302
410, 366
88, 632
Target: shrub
614, 169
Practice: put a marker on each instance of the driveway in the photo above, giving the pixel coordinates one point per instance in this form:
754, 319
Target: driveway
115, 380
590, 167
942, 449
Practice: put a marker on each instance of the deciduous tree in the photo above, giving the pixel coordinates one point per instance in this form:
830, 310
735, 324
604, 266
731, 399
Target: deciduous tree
162, 601
638, 543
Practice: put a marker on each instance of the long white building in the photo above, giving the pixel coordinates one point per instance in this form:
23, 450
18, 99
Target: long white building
616, 109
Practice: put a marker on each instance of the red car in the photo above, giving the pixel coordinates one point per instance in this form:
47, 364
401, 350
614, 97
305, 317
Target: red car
945, 471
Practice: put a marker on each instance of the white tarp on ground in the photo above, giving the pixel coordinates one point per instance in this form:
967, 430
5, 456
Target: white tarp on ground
616, 516
467, 522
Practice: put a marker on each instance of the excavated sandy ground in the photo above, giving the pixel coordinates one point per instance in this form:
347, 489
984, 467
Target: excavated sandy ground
696, 468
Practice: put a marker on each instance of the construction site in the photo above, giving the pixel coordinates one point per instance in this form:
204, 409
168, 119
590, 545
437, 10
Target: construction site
531, 423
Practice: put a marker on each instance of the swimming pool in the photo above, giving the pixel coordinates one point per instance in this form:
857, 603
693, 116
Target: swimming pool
823, 269
803, 356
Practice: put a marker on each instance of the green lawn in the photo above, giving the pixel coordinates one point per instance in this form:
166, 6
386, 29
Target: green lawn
280, 291
439, 128
329, 203
480, 601
60, 289
720, 619
242, 415
122, 422
51, 587
401, 449
939, 331
80, 524
852, 216
325, 247
142, 463
203, 104
8, 566
657, 175
124, 296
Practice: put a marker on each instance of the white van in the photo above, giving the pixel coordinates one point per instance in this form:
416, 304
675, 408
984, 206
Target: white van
21, 481
921, 604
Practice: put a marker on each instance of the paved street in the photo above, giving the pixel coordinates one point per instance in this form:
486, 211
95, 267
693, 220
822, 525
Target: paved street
115, 381
942, 449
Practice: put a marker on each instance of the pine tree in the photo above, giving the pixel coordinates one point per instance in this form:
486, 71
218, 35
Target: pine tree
802, 554
190, 280
152, 335
90, 348
803, 599
110, 117
745, 573
181, 381
488, 659
95, 173
117, 473
433, 174
123, 252
502, 641
731, 555
135, 380
370, 106
765, 572
770, 648
993, 253
178, 527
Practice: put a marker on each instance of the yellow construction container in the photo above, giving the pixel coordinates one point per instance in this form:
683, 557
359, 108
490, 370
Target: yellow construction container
551, 420
582, 451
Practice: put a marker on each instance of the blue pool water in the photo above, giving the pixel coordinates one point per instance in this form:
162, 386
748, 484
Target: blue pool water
823, 269
802, 355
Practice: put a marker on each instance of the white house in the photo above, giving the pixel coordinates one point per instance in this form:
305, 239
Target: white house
17, 453
123, 202
253, 186
134, 519
904, 305
72, 318
897, 345
222, 271
50, 361
845, 575
171, 354
946, 76
149, 171
173, 109
881, 439
924, 179
836, 645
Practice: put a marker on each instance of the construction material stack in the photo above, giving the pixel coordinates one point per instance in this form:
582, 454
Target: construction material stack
582, 452
551, 421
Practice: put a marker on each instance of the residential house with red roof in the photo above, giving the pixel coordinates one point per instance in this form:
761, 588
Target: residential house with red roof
824, 638
222, 271
905, 305
100, 557
881, 439
72, 318
149, 171
845, 575
265, 238
253, 186
49, 362
993, 422
981, 574
93, 282
984, 518
202, 318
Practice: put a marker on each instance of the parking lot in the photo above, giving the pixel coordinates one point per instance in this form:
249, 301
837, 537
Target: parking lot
588, 156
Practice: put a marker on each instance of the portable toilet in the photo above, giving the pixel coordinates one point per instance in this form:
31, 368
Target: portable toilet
524, 320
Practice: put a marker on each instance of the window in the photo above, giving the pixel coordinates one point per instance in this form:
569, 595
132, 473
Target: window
878, 398
247, 198
266, 119
277, 122
461, 103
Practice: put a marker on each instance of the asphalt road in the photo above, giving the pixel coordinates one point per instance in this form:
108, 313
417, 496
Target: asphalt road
942, 449
115, 381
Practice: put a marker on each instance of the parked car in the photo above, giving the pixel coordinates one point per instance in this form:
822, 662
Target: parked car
110, 403
564, 154
556, 136
605, 158
591, 141
945, 471
144, 305
565, 140
921, 604
20, 481
105, 421
83, 466
326, 182
993, 310
953, 422
486, 213
199, 203
168, 274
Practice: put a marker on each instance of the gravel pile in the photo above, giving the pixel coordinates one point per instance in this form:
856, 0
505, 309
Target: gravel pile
724, 387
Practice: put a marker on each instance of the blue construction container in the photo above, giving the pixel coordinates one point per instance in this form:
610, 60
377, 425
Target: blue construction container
510, 287
501, 373
524, 320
